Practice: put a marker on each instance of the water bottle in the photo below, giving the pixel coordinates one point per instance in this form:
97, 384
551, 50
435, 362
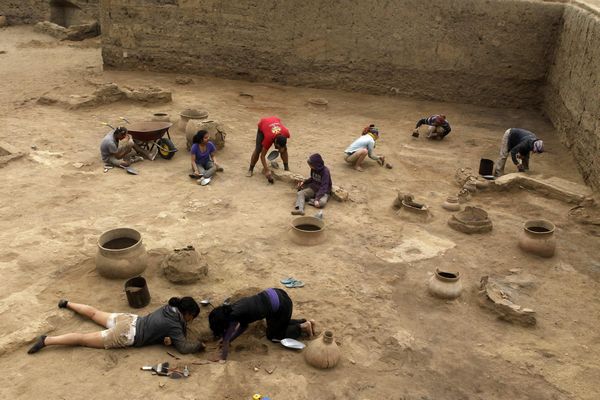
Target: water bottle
186, 371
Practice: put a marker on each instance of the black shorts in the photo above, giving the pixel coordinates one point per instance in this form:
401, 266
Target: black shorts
260, 136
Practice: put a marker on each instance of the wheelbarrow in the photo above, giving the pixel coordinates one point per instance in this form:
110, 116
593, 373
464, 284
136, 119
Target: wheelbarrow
148, 135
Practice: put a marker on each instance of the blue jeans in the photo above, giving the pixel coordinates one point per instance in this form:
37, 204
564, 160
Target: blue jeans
208, 169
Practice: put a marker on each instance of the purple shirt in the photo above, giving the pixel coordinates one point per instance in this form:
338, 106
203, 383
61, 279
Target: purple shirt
203, 157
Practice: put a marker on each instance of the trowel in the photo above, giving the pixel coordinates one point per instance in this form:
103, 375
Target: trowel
290, 343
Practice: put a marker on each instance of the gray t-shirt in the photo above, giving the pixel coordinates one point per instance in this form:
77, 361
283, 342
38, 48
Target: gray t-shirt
108, 146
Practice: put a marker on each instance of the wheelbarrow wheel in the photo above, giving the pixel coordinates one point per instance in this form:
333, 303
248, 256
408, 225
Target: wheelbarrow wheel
166, 148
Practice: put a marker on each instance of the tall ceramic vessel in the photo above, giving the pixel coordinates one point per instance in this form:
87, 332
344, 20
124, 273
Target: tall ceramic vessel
445, 285
121, 254
538, 238
323, 352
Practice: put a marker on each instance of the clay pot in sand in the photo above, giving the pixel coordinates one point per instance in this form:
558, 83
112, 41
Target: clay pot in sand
538, 238
471, 220
471, 186
445, 285
161, 117
323, 352
216, 132
188, 114
121, 254
451, 204
463, 196
307, 231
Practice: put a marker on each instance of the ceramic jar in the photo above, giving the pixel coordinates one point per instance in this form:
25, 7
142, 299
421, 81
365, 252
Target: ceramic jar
307, 231
161, 116
451, 204
188, 114
121, 254
323, 352
470, 185
445, 285
538, 238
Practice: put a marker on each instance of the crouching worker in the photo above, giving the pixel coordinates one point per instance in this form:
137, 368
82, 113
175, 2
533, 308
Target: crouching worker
230, 321
315, 189
204, 163
165, 325
115, 156
439, 127
519, 143
362, 147
271, 132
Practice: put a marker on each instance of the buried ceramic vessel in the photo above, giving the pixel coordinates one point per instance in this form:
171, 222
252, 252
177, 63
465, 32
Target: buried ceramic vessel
121, 254
445, 285
160, 116
307, 231
323, 352
538, 238
451, 204
189, 114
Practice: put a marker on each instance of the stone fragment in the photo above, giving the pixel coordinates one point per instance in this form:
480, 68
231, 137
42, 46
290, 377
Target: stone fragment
339, 194
149, 95
184, 266
73, 33
8, 153
493, 297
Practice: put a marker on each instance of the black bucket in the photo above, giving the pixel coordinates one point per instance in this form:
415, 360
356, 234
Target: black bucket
486, 167
137, 292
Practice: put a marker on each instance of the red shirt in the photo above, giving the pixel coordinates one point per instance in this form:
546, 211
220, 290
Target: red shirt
271, 127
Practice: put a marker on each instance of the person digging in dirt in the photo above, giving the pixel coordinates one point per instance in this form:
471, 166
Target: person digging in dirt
230, 321
113, 156
362, 147
165, 325
519, 143
204, 163
439, 127
316, 188
270, 132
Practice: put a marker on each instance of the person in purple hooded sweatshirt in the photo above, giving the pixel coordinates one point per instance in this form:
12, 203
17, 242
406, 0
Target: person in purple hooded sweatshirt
315, 189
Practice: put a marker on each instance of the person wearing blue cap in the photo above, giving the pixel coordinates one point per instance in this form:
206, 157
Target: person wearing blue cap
519, 143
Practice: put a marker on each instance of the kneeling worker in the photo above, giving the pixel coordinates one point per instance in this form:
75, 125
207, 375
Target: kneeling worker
113, 156
439, 127
362, 147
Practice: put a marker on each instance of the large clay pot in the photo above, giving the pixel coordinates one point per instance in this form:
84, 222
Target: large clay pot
216, 132
445, 285
323, 352
538, 238
188, 114
121, 254
307, 231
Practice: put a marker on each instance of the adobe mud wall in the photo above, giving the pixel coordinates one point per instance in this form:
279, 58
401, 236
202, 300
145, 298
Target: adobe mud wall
572, 98
494, 53
32, 11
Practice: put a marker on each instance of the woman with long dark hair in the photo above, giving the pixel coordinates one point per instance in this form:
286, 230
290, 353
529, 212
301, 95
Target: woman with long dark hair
164, 325
230, 321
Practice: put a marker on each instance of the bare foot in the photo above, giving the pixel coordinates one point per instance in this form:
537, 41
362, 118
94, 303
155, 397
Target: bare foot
359, 169
313, 324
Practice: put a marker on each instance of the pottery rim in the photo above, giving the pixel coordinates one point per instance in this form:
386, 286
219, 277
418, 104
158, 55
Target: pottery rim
539, 223
444, 278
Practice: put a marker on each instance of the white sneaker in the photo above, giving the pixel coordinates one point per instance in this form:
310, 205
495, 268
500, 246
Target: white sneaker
204, 181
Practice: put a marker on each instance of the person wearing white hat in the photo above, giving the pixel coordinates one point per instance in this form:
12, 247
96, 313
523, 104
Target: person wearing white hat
519, 143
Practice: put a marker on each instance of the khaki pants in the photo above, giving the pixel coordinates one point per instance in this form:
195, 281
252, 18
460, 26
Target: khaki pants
121, 331
501, 162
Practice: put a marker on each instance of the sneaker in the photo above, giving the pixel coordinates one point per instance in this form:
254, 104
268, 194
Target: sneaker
38, 345
204, 181
62, 303
249, 173
297, 212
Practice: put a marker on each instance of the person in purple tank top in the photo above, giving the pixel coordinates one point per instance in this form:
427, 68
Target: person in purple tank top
204, 163
230, 321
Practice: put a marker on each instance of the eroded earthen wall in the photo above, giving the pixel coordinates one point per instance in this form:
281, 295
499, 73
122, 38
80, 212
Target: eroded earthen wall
493, 53
572, 98
32, 11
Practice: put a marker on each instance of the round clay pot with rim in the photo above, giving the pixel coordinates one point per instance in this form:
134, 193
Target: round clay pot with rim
188, 114
161, 116
445, 285
307, 231
121, 254
538, 238
451, 204
323, 352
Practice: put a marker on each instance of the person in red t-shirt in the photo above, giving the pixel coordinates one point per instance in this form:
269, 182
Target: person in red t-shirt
270, 131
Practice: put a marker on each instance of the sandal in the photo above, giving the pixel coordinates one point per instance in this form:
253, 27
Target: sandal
287, 280
294, 284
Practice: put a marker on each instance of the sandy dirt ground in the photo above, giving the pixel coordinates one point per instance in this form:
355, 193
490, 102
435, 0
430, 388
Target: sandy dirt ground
366, 282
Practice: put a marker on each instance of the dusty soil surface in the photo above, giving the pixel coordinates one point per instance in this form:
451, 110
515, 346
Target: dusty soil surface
366, 282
